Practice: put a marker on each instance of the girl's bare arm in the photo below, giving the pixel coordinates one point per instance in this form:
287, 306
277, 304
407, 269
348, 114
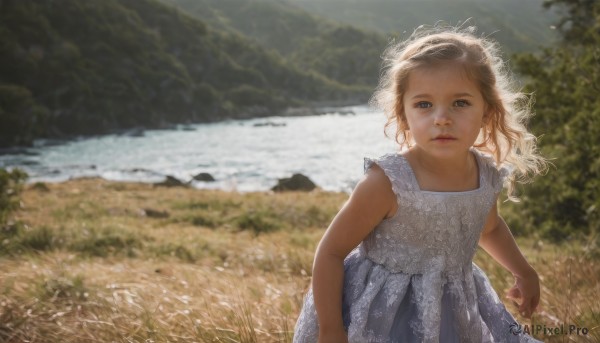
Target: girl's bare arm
499, 242
371, 201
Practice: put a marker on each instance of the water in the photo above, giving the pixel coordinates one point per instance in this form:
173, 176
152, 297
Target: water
241, 156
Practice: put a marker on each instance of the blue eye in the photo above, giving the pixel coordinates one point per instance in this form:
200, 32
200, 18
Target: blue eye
423, 104
461, 103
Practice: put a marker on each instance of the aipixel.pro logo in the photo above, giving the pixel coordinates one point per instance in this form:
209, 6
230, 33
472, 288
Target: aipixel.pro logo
515, 328
538, 329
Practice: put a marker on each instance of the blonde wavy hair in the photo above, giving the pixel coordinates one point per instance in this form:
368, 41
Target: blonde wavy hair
504, 135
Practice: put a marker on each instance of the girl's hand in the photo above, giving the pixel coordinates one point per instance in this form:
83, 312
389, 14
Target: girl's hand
526, 293
336, 336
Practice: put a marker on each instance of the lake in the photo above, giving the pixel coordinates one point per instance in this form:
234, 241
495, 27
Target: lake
242, 155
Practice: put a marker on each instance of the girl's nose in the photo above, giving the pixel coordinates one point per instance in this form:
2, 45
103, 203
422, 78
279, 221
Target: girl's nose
441, 118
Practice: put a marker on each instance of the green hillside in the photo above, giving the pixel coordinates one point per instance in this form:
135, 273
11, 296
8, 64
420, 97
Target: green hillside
92, 67
343, 39
341, 52
518, 25
89, 67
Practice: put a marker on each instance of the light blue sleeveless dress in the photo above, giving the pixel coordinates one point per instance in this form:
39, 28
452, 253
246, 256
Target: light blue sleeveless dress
413, 278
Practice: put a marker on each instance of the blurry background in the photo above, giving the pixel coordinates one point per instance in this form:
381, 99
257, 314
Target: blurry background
255, 90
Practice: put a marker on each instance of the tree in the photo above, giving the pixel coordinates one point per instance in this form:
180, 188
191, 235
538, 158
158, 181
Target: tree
11, 184
566, 82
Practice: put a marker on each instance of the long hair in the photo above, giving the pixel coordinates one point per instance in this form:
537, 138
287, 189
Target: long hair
503, 135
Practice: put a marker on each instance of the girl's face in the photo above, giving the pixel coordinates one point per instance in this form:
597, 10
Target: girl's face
444, 109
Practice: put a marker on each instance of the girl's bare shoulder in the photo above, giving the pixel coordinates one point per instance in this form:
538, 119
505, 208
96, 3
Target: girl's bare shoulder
375, 188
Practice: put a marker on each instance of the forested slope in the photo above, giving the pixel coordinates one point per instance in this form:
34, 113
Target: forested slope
341, 52
518, 25
88, 67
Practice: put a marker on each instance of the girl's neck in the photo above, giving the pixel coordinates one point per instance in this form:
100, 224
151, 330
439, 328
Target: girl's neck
456, 173
459, 164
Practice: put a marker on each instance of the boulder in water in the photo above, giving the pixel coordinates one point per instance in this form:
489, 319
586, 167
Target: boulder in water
206, 177
297, 182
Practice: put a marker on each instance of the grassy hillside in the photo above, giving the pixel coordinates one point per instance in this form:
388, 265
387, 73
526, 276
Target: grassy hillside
518, 25
99, 261
94, 66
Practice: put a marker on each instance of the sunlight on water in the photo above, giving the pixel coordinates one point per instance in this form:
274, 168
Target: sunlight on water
240, 155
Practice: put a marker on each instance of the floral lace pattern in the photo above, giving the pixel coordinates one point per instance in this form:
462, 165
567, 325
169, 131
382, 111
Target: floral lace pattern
412, 279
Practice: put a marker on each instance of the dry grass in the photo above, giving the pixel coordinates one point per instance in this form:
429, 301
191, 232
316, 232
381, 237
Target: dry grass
97, 261
570, 280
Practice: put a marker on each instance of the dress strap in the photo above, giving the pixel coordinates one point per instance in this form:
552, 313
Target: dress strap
396, 169
492, 174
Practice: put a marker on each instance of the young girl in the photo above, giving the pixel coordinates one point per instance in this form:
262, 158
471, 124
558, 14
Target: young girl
395, 265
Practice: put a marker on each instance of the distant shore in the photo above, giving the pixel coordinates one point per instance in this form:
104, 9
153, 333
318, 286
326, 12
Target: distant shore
246, 155
252, 112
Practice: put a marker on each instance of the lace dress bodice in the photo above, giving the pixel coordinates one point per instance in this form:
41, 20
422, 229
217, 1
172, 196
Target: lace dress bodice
431, 231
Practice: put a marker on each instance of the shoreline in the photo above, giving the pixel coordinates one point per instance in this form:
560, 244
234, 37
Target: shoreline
313, 109
242, 155
33, 185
